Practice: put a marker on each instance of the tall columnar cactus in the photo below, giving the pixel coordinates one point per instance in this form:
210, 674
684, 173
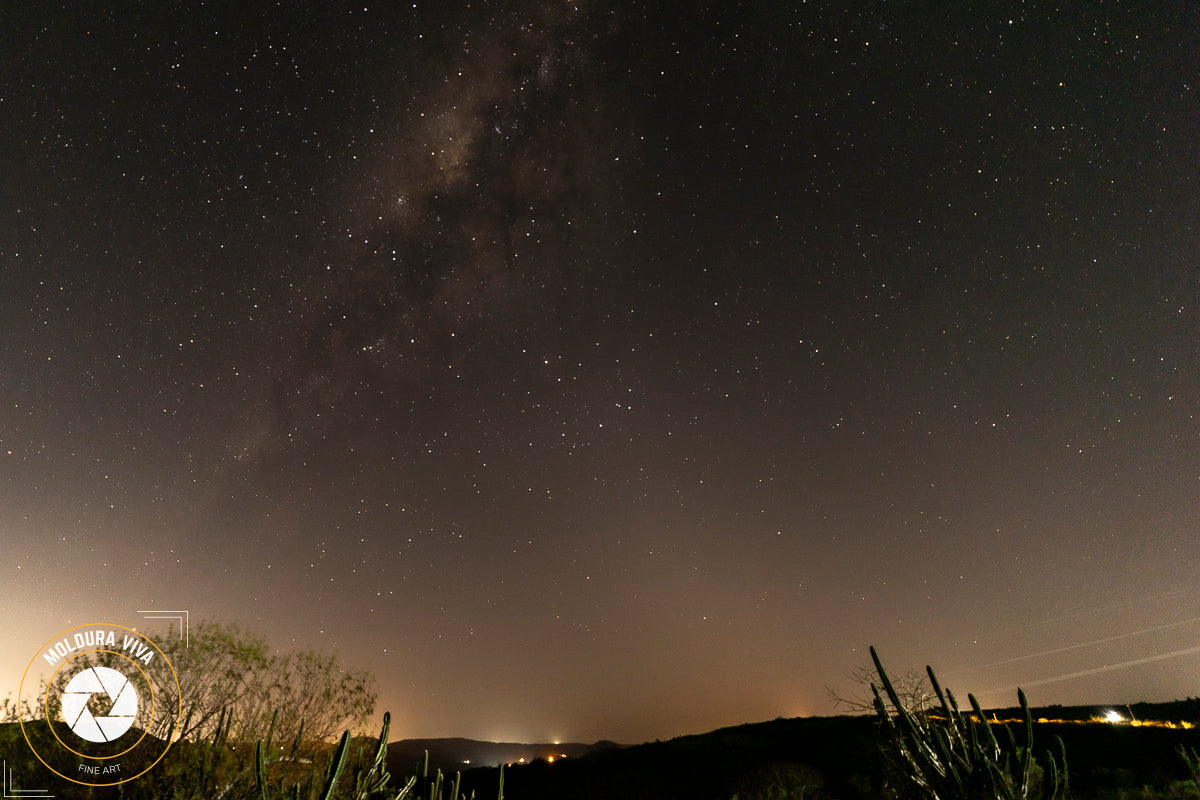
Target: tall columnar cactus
950, 755
335, 767
1193, 764
372, 784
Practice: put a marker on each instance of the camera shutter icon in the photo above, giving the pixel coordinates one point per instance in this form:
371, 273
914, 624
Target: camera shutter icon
99, 680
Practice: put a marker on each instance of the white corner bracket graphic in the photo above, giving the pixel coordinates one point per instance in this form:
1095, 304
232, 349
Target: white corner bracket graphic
182, 616
9, 791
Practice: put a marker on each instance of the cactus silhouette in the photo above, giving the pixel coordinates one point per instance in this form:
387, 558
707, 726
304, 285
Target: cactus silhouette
945, 754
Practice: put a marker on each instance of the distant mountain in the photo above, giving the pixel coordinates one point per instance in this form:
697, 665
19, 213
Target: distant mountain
460, 755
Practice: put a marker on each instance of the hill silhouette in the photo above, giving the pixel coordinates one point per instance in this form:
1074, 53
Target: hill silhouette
827, 757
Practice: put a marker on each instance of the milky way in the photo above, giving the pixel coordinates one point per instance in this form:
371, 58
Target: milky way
591, 370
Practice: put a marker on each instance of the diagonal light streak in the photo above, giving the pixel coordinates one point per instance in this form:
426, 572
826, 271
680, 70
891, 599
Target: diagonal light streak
1098, 670
1090, 611
1076, 646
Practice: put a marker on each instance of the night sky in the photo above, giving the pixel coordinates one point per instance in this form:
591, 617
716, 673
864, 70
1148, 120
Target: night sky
610, 370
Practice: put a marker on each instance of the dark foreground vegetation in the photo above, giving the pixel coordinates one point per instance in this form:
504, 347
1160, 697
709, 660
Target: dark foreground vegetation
809, 758
932, 750
353, 769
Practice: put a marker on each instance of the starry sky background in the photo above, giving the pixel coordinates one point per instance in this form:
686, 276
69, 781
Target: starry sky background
610, 370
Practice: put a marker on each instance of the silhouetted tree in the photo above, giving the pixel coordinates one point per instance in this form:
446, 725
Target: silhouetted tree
912, 687
229, 678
